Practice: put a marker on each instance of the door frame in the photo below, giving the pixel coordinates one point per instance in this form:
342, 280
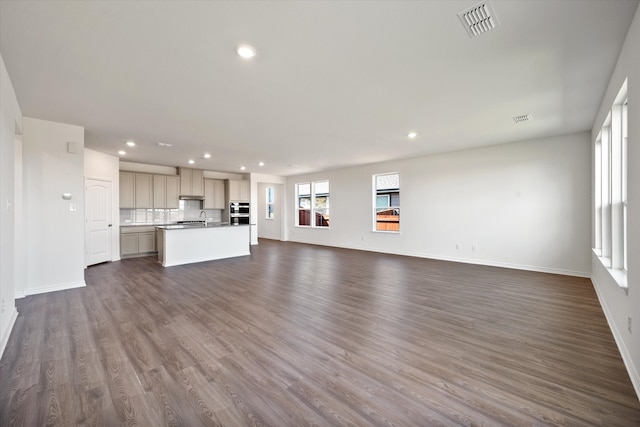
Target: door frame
110, 213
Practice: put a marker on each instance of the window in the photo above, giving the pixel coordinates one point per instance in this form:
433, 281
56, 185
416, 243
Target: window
625, 130
610, 242
312, 204
386, 199
270, 214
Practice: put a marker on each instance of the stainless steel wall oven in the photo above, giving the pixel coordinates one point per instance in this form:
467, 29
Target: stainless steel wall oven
239, 213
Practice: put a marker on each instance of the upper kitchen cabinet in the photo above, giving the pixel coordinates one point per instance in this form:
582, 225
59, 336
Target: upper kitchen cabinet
165, 192
173, 192
127, 190
191, 182
144, 190
213, 194
136, 190
238, 190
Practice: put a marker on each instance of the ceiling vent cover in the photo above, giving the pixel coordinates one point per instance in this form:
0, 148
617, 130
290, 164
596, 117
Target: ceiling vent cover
479, 19
523, 118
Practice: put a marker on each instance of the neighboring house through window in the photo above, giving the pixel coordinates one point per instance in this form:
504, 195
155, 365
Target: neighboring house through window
386, 193
312, 207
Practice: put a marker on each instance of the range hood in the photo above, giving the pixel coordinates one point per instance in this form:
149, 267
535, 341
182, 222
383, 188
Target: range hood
187, 197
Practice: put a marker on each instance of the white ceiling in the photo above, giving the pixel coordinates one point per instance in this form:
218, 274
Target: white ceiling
334, 83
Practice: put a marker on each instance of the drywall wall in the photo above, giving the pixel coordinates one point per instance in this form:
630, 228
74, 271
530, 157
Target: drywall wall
617, 304
55, 231
257, 215
269, 228
523, 205
105, 167
10, 126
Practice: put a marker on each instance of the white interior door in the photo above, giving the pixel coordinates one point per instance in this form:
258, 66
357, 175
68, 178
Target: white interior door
98, 227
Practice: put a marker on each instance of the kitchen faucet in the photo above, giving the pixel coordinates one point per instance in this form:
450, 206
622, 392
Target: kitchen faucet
205, 217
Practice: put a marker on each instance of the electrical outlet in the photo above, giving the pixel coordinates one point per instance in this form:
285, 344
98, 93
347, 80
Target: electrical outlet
474, 247
629, 324
457, 246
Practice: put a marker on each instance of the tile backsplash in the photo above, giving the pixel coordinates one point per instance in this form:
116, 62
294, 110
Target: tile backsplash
189, 210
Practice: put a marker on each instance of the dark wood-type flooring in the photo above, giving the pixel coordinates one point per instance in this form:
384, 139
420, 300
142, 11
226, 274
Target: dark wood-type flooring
298, 335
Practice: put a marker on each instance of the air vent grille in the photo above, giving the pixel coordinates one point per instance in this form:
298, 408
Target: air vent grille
479, 19
523, 118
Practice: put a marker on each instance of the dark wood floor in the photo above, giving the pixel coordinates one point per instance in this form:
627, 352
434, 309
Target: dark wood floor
298, 335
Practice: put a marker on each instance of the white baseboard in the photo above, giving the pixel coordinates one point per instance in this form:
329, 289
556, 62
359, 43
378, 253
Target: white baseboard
59, 287
632, 370
539, 269
7, 332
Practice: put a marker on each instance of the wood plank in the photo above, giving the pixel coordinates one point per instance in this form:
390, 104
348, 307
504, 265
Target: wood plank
310, 335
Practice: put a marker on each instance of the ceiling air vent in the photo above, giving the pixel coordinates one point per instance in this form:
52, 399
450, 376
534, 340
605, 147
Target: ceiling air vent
524, 118
479, 19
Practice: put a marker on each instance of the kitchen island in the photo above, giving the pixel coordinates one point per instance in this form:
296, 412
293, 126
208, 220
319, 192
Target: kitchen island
186, 244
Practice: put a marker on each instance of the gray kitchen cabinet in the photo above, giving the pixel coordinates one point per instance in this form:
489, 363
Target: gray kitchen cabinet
218, 200
144, 191
146, 242
136, 190
165, 192
159, 191
173, 192
197, 182
127, 190
191, 182
213, 194
128, 244
137, 241
238, 190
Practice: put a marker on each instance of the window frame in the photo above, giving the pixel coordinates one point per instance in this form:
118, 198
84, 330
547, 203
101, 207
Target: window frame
375, 209
270, 202
610, 190
313, 209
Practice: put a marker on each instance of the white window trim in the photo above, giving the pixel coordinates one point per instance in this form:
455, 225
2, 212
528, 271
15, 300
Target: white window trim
266, 196
312, 208
611, 169
374, 227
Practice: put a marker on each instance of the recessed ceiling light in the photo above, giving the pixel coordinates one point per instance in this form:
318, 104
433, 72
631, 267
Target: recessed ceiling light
242, 168
206, 155
191, 161
412, 135
245, 51
162, 144
261, 164
131, 144
122, 152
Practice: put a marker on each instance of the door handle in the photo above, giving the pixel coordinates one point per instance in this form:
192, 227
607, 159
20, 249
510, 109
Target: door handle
110, 225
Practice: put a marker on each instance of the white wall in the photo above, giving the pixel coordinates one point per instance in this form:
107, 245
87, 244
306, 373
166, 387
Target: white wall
105, 167
270, 228
256, 193
617, 305
10, 126
524, 205
55, 234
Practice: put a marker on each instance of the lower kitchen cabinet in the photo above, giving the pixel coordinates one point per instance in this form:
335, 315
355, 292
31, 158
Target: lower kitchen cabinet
137, 241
